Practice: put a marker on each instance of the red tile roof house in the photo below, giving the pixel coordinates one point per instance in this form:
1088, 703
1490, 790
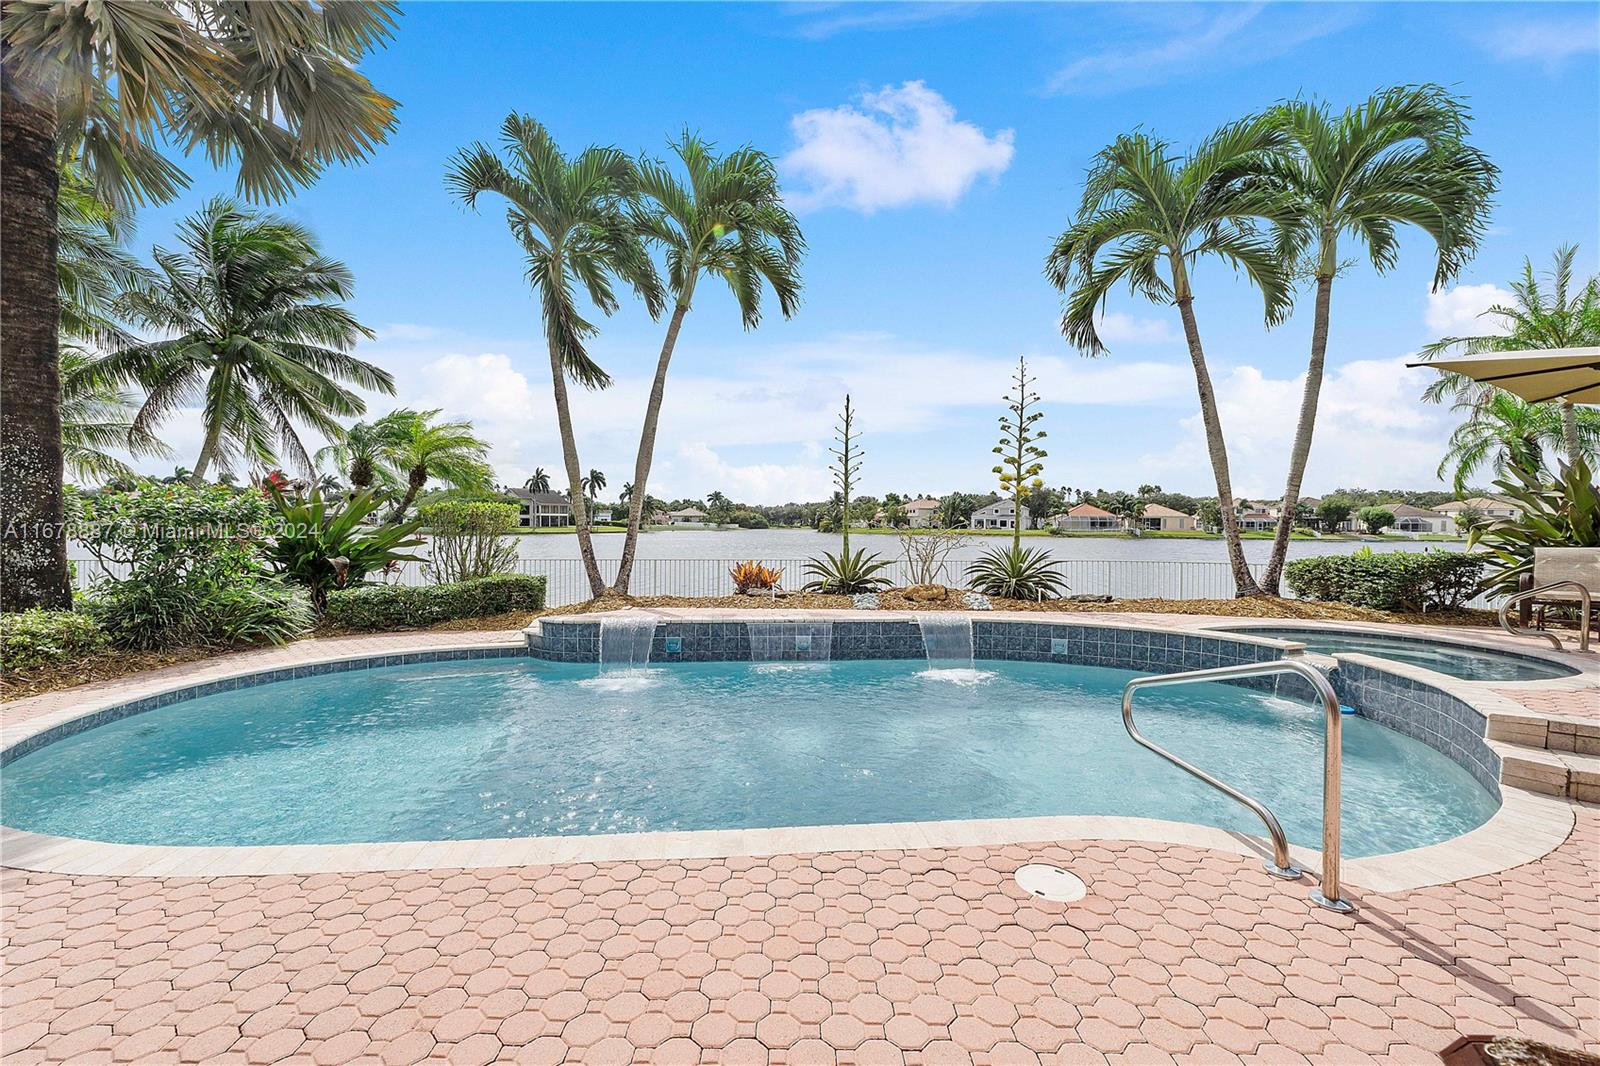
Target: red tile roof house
1086, 516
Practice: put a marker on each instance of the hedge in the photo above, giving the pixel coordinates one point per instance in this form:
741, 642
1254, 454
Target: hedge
1388, 581
31, 639
378, 607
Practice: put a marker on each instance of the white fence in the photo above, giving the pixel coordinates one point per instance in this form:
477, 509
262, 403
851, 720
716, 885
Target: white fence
1121, 578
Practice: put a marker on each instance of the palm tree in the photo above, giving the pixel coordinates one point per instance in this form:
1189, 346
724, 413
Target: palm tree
1535, 319
361, 454
571, 219
539, 482
273, 86
1397, 159
1505, 432
423, 449
96, 417
593, 485
252, 323
626, 495
1144, 209
729, 220
92, 267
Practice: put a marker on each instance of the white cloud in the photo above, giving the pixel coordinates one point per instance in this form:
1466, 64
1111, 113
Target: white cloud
1459, 312
1549, 42
1115, 327
901, 146
1372, 431
1228, 37
821, 21
695, 463
406, 332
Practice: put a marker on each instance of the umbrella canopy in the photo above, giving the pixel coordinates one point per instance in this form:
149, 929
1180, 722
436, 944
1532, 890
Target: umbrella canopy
1536, 376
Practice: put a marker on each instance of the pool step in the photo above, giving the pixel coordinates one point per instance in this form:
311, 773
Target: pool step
1530, 729
1554, 773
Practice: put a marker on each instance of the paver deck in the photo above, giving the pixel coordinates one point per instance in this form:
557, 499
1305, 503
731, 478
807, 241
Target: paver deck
881, 957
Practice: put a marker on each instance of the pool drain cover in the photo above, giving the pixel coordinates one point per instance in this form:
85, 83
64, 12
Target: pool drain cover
1051, 882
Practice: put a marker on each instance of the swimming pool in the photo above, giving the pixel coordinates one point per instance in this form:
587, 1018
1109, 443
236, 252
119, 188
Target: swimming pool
1454, 660
516, 747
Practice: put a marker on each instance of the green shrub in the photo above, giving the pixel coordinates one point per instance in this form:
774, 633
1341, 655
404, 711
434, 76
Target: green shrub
1017, 574
325, 548
1388, 581
378, 607
31, 639
1376, 519
245, 609
467, 538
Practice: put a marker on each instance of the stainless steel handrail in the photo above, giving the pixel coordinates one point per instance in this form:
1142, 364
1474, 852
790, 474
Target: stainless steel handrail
1281, 864
1555, 641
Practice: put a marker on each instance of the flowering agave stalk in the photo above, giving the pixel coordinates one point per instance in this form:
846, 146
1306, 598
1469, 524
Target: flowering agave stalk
1020, 463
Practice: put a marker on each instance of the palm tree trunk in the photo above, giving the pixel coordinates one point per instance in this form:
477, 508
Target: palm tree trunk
1244, 583
647, 447
415, 479
33, 551
1302, 436
208, 452
1569, 431
569, 455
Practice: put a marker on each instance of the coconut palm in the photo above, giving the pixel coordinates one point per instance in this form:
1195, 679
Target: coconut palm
1145, 209
571, 219
1398, 159
1537, 318
273, 87
1506, 433
724, 218
92, 267
423, 450
252, 324
97, 418
539, 482
593, 485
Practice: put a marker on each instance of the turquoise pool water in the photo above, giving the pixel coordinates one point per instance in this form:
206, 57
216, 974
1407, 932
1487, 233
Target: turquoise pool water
1453, 660
517, 747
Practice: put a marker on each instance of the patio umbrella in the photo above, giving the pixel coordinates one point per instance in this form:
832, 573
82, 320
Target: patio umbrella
1571, 374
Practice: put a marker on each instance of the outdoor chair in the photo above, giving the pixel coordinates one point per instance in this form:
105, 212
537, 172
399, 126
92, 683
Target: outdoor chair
1565, 578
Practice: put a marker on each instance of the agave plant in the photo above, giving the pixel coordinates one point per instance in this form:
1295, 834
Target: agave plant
846, 573
322, 547
1560, 514
1017, 574
751, 576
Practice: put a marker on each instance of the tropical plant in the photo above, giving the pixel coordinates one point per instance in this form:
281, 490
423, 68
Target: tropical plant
1376, 519
361, 453
1020, 466
108, 84
728, 221
1017, 573
323, 548
846, 573
465, 537
1143, 208
1507, 433
538, 482
751, 576
593, 485
1399, 158
1560, 513
35, 639
571, 217
96, 417
250, 322
421, 449
1536, 319
92, 266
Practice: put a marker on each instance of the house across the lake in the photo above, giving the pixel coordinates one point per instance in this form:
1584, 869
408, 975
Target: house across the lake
689, 516
1491, 510
1163, 519
999, 515
1086, 516
1419, 520
542, 510
922, 513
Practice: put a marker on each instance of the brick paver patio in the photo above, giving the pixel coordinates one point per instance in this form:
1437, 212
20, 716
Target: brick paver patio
871, 958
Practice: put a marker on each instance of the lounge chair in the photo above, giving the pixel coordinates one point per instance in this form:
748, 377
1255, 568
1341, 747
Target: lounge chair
1561, 577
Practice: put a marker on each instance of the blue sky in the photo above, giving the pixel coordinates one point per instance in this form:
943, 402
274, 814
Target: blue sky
934, 151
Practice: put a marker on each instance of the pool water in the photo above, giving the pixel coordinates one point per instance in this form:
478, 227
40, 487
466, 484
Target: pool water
509, 748
1468, 664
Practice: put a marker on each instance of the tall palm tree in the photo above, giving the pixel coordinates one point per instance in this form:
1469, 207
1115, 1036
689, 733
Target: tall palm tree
1535, 319
252, 323
423, 449
571, 219
92, 266
593, 485
97, 418
1397, 159
726, 220
271, 86
1505, 432
1145, 209
539, 482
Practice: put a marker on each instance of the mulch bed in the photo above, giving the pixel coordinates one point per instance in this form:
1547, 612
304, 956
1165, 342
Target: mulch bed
112, 665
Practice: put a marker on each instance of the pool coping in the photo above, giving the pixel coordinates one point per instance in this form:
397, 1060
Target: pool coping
1525, 827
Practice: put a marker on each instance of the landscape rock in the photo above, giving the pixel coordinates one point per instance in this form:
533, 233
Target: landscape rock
865, 601
976, 601
927, 593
